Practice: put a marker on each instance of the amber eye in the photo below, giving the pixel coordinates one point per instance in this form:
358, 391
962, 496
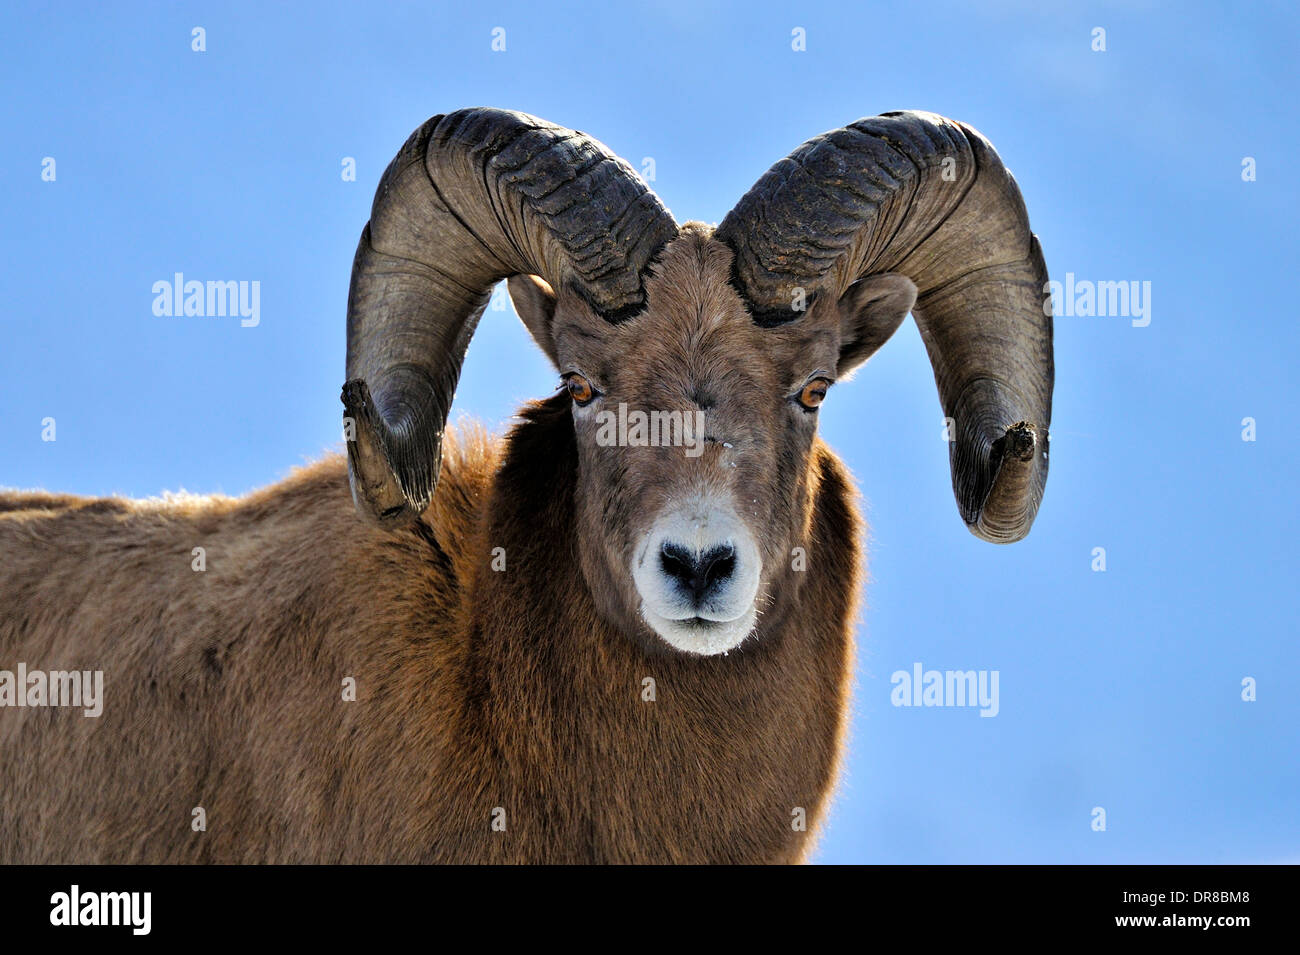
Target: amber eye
814, 393
580, 389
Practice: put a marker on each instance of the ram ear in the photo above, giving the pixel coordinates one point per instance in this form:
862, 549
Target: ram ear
870, 312
534, 301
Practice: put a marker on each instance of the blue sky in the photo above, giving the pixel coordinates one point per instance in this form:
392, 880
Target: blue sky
1119, 689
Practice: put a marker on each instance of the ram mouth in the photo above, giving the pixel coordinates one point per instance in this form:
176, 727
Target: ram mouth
699, 619
700, 636
703, 623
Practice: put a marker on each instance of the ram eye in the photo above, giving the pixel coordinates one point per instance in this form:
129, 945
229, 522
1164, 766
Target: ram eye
580, 389
813, 394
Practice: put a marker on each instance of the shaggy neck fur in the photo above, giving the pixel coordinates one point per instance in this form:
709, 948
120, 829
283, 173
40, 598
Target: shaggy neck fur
716, 766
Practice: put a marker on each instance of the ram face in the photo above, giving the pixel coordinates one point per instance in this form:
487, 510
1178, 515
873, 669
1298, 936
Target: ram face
695, 360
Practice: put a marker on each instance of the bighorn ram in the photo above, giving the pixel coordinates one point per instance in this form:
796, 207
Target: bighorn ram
562, 650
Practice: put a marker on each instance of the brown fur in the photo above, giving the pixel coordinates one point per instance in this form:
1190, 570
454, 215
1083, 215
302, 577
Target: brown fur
477, 689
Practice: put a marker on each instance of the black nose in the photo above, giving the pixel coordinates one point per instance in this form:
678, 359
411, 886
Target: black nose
698, 572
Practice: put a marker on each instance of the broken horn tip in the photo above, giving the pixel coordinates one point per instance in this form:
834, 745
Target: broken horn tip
1022, 439
355, 393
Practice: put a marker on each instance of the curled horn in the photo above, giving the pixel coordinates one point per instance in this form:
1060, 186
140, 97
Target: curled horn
926, 197
473, 197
